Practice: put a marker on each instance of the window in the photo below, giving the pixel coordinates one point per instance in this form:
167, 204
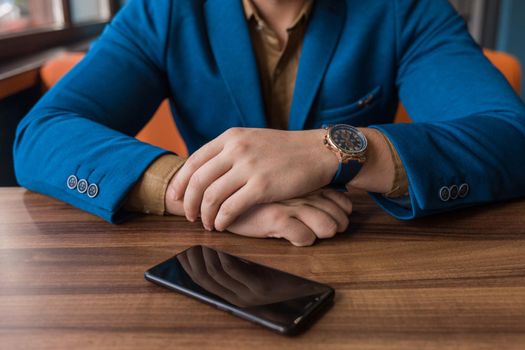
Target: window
20, 16
23, 15
31, 26
482, 17
88, 11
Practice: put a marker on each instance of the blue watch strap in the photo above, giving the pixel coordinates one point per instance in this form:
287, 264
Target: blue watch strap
345, 173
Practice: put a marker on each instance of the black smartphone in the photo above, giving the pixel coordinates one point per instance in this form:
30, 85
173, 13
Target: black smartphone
277, 300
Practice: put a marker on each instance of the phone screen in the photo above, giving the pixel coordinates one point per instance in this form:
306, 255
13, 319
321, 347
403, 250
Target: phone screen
272, 298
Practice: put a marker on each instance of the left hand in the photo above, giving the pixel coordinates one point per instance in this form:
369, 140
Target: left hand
301, 221
244, 167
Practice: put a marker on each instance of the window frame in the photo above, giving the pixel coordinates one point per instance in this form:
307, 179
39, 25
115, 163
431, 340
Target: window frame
36, 40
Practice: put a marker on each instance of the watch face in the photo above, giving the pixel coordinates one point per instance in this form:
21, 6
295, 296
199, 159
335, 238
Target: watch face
348, 139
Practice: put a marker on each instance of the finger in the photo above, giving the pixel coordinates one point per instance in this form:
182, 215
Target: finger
199, 182
215, 195
194, 162
341, 199
332, 209
321, 223
239, 202
297, 233
254, 222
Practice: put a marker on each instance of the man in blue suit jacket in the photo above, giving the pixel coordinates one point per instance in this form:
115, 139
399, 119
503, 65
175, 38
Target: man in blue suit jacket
357, 59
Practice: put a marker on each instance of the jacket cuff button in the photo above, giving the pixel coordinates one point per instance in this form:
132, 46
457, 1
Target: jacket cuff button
463, 190
72, 182
454, 191
444, 193
92, 191
82, 186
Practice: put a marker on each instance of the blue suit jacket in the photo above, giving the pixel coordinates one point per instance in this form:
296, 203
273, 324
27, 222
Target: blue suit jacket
469, 126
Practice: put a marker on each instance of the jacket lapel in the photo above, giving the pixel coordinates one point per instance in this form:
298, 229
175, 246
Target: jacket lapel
320, 41
231, 44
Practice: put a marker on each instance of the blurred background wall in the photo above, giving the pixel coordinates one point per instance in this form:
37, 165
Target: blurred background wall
496, 24
511, 30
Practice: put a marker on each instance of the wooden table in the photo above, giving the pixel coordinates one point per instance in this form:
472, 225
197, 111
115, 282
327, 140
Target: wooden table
68, 280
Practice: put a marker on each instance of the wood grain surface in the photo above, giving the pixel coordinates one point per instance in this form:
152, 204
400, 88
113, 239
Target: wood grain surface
69, 280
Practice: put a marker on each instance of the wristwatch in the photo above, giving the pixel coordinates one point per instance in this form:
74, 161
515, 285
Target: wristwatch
350, 146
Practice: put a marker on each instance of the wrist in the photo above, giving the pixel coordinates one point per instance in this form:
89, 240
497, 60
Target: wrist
377, 173
327, 158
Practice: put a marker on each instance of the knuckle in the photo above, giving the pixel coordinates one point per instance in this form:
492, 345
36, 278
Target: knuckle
280, 219
196, 181
261, 183
239, 147
210, 198
251, 163
346, 202
231, 132
226, 211
273, 211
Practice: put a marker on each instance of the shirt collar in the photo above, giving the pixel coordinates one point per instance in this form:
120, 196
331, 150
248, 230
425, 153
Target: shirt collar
250, 11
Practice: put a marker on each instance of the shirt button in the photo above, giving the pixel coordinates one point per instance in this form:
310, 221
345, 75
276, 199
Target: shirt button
92, 191
72, 182
444, 193
463, 190
454, 191
82, 186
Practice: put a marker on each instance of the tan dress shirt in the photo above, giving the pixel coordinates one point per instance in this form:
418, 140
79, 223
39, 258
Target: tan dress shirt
278, 65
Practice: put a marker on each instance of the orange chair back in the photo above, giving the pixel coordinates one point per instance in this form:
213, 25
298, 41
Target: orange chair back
159, 131
507, 64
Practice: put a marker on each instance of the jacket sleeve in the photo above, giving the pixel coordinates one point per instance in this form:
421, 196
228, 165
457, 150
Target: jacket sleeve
466, 144
84, 126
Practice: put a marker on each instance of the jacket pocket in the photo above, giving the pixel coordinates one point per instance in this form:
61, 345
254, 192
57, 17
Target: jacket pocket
333, 115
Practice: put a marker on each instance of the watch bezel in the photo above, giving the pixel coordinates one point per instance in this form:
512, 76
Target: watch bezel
354, 154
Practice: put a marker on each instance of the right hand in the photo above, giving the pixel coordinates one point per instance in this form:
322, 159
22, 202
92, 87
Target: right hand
301, 221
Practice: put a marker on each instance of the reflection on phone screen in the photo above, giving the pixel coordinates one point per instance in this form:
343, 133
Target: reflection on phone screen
266, 293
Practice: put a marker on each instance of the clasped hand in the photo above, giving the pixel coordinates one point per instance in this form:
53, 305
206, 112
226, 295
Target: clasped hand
254, 175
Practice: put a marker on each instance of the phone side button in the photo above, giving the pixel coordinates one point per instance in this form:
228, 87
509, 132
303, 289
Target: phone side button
298, 319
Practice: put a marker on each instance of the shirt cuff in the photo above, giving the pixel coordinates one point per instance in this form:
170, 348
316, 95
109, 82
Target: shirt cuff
400, 184
148, 194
